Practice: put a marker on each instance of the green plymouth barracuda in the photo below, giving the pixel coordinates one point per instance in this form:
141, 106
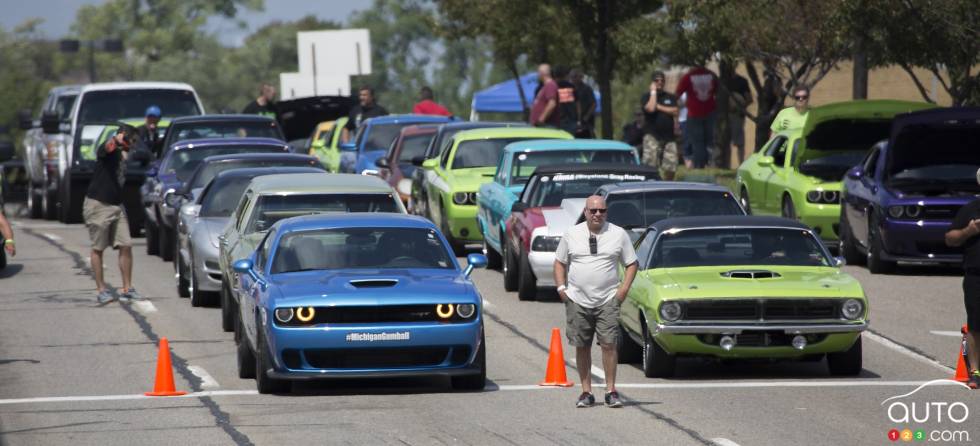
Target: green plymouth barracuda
271, 198
740, 287
468, 161
798, 173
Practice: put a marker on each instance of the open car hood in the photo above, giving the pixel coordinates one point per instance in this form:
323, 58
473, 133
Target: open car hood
559, 219
299, 117
946, 136
853, 125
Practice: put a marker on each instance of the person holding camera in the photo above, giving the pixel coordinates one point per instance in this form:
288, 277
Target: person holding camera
104, 214
586, 272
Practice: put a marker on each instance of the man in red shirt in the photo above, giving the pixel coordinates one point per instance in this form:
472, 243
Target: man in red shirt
427, 106
700, 84
544, 110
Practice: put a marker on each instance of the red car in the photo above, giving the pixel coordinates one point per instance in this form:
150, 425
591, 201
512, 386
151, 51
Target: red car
396, 166
552, 202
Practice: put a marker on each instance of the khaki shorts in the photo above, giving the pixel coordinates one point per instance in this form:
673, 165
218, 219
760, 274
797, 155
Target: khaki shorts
660, 154
107, 225
582, 323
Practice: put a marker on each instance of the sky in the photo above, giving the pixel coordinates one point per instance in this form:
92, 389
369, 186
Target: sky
58, 15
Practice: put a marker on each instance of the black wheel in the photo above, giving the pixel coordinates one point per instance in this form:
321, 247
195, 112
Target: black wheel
152, 242
656, 362
229, 320
263, 362
494, 260
246, 359
510, 270
183, 284
50, 204
527, 285
848, 248
846, 363
35, 201
199, 298
476, 381
71, 201
627, 352
743, 198
788, 210
165, 240
876, 265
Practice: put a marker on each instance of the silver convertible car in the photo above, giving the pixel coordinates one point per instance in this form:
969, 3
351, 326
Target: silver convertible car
202, 220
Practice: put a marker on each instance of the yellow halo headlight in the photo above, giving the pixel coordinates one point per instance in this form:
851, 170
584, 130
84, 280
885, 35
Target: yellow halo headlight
305, 317
444, 311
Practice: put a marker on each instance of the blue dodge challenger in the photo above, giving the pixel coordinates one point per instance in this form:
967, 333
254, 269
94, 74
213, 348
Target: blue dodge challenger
358, 295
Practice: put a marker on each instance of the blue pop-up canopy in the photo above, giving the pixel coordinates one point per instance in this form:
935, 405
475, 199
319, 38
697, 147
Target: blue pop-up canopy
504, 98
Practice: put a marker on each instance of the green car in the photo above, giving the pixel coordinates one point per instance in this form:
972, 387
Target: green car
740, 287
467, 161
325, 143
798, 173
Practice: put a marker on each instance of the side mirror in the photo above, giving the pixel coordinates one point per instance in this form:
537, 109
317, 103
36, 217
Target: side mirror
348, 147
518, 206
6, 151
765, 161
474, 261
50, 122
430, 163
243, 266
418, 160
172, 199
855, 173
383, 163
24, 120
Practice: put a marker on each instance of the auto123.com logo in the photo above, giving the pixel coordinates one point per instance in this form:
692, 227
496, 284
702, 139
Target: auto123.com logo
949, 417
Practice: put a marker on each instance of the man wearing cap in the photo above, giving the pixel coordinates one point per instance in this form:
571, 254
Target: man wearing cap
149, 133
965, 232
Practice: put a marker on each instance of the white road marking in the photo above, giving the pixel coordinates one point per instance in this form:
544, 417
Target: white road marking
723, 442
905, 351
144, 306
69, 399
51, 237
952, 334
207, 381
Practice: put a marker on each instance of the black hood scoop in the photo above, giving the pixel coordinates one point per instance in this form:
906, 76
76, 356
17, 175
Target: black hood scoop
750, 274
374, 283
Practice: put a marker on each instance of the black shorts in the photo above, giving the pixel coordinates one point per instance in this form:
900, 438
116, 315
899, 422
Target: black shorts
971, 298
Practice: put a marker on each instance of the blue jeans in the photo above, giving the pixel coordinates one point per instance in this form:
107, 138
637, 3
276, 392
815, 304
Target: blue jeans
700, 133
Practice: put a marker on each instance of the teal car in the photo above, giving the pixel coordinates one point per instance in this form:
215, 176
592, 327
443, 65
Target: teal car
518, 162
799, 172
740, 287
469, 159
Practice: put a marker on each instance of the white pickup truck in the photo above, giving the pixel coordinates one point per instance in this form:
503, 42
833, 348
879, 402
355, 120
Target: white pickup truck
46, 143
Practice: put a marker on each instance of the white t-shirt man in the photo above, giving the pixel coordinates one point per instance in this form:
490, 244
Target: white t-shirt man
593, 279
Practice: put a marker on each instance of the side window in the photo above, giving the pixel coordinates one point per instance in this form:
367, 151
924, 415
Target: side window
262, 254
501, 171
643, 248
777, 150
446, 151
529, 190
868, 167
796, 151
240, 211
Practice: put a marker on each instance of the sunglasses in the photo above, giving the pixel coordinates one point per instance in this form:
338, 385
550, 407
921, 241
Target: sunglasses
801, 98
593, 245
597, 211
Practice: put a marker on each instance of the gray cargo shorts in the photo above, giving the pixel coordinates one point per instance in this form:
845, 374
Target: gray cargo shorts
581, 323
107, 224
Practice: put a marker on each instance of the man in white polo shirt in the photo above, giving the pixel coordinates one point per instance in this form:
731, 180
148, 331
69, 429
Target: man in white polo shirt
586, 271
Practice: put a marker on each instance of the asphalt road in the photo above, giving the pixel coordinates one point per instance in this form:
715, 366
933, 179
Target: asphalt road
73, 372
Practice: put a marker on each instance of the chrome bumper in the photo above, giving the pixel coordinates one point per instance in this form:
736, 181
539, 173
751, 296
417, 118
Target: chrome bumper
739, 328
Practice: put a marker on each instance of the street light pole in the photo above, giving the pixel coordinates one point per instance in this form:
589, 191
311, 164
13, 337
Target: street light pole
106, 45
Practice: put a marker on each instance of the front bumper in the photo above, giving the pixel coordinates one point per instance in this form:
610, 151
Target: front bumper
462, 223
920, 241
690, 339
543, 265
823, 218
207, 270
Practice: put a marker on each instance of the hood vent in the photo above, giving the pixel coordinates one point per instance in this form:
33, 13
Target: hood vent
374, 283
750, 274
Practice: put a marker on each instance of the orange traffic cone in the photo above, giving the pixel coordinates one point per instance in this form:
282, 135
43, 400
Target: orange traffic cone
962, 374
555, 375
165, 375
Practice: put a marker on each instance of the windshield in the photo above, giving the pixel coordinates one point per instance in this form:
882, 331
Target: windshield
209, 171
272, 208
525, 163
380, 136
480, 152
220, 199
183, 162
64, 105
552, 189
114, 105
642, 209
738, 246
200, 130
413, 146
374, 248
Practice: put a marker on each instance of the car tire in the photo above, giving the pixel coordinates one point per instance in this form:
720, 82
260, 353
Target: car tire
71, 204
846, 363
152, 235
35, 201
876, 265
848, 249
527, 284
229, 321
475, 382
245, 356
183, 285
165, 238
50, 204
743, 198
510, 270
494, 261
787, 208
263, 362
627, 352
656, 362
